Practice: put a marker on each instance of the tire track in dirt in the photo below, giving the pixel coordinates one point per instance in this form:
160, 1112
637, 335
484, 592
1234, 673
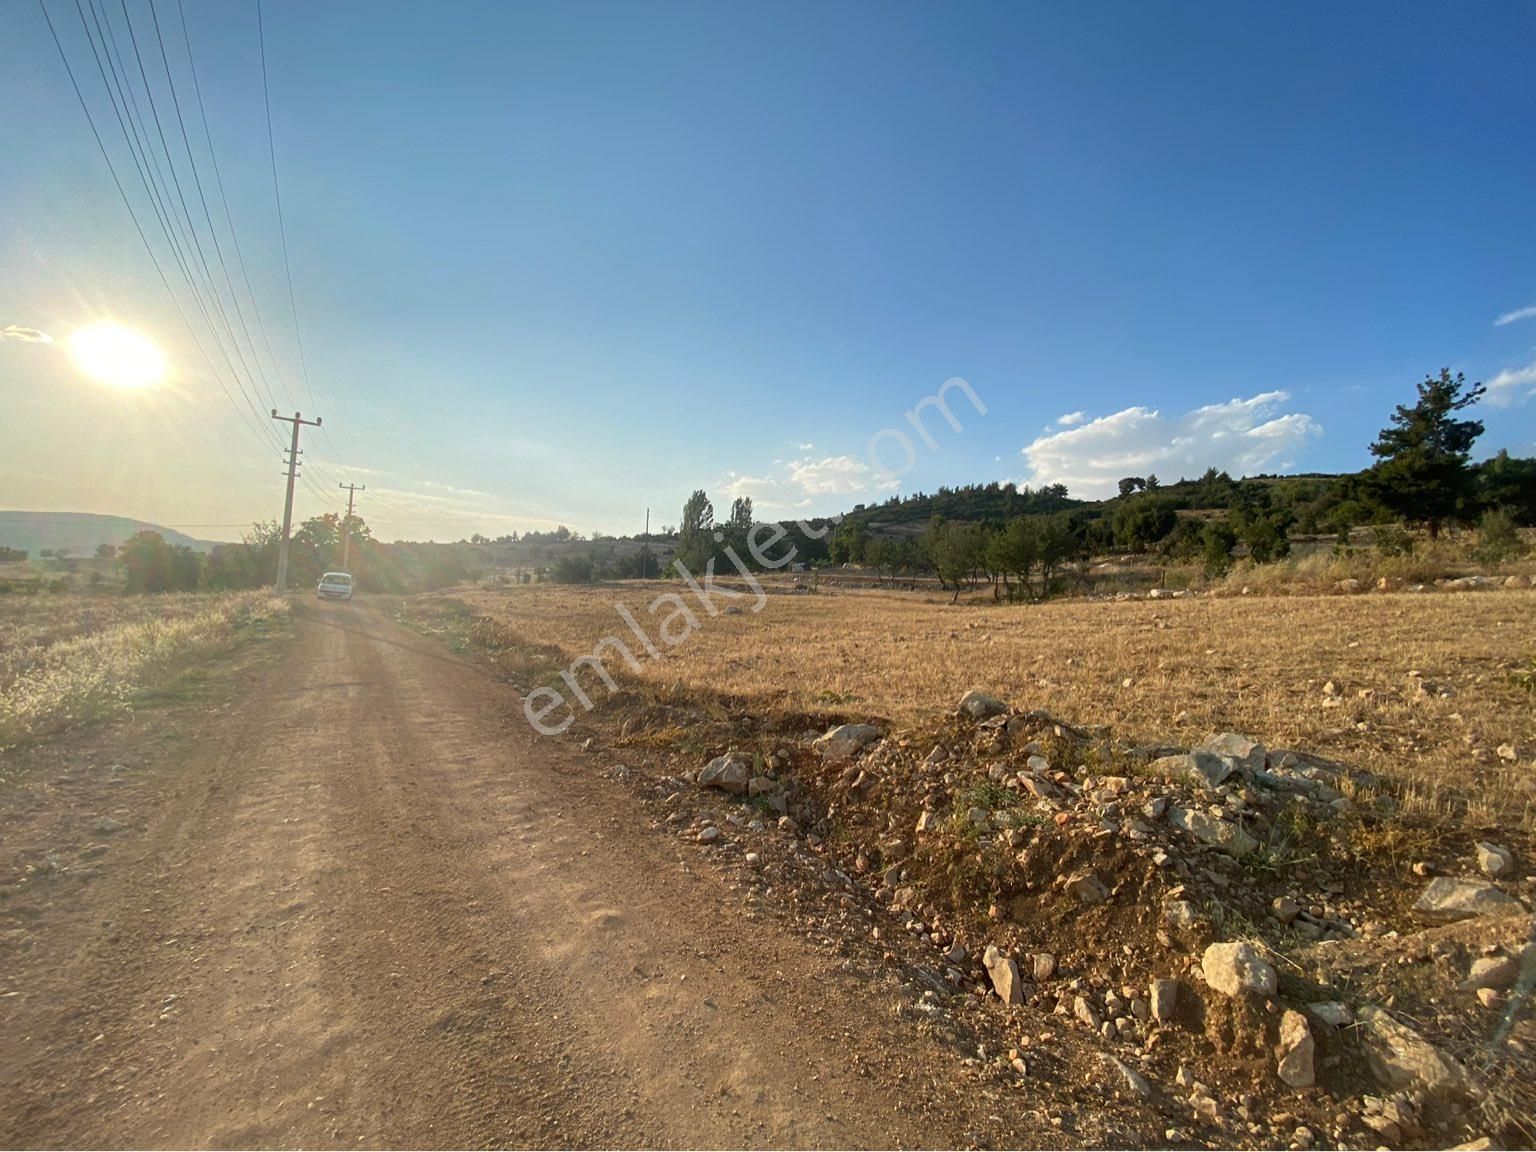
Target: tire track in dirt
366, 906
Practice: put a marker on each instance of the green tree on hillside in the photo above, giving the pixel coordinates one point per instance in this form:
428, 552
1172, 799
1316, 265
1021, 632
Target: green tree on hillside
1264, 531
1422, 472
573, 569
1509, 482
1059, 543
1219, 542
956, 551
739, 526
155, 566
1142, 522
1015, 551
849, 543
696, 533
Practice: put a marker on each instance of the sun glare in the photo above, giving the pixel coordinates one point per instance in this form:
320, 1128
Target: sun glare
117, 355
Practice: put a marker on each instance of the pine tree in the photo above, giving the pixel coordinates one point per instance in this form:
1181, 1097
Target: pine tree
1422, 471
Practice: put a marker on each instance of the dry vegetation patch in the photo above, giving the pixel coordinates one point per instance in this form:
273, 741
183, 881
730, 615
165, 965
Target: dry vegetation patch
1423, 691
1060, 838
64, 660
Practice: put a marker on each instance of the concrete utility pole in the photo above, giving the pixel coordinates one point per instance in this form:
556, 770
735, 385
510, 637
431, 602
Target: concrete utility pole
293, 470
346, 525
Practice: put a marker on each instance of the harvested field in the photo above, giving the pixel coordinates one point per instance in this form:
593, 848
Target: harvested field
1421, 689
1078, 840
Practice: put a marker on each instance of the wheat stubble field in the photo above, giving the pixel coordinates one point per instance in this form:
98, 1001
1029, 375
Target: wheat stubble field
1423, 689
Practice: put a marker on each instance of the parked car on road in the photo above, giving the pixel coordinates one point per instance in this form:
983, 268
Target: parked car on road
335, 586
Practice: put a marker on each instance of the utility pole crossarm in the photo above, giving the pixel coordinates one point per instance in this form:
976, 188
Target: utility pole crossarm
298, 421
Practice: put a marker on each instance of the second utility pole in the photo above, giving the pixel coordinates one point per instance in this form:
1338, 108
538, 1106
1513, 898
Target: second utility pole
346, 525
293, 467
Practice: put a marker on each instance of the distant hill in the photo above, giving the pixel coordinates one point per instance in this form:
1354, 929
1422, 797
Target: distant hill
996, 501
80, 532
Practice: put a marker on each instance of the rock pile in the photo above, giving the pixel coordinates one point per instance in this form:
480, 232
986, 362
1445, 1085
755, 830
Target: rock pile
1139, 899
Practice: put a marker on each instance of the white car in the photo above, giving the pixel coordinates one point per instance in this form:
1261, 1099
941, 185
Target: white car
335, 586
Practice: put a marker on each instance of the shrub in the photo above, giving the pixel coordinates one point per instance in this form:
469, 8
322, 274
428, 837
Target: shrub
1219, 542
1392, 540
573, 570
1265, 535
1186, 541
1498, 539
1525, 677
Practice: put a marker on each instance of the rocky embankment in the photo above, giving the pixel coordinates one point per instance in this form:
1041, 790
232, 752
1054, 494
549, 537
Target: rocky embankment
1222, 945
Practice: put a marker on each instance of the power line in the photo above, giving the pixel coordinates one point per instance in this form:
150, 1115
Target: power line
147, 164
282, 228
181, 198
128, 204
197, 179
179, 230
261, 324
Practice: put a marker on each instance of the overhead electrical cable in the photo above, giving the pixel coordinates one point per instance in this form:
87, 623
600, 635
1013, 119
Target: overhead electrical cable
261, 324
147, 163
181, 198
197, 180
277, 193
133, 215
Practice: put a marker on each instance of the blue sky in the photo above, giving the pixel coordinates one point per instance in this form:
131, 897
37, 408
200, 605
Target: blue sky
558, 262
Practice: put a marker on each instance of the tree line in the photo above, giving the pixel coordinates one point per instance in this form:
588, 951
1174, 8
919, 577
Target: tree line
1022, 540
151, 564
1423, 475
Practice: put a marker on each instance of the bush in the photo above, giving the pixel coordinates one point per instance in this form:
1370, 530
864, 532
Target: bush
1498, 539
1219, 542
573, 570
1186, 541
1392, 540
1141, 523
1265, 535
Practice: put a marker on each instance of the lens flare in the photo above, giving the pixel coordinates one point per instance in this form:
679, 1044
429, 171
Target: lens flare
118, 356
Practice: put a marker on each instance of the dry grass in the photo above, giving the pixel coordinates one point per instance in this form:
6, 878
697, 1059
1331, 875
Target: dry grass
64, 660
1171, 670
1320, 571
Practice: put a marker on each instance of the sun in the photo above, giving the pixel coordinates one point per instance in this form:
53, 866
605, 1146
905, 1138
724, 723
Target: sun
117, 355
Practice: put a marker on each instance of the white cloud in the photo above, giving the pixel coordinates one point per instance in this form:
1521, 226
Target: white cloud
1240, 436
1071, 419
452, 491
25, 335
1526, 313
1512, 386
836, 475
771, 495
795, 485
807, 447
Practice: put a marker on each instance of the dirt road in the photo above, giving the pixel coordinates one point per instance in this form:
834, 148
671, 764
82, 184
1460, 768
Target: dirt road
354, 901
